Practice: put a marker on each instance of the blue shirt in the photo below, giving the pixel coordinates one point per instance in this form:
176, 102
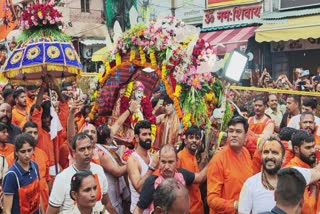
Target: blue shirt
11, 186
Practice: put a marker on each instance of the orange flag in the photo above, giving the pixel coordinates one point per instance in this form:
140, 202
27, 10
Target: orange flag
8, 18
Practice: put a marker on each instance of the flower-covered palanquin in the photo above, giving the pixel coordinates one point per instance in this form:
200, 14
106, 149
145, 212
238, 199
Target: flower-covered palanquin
172, 53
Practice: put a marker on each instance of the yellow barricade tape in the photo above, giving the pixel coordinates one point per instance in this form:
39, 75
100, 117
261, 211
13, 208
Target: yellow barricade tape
273, 90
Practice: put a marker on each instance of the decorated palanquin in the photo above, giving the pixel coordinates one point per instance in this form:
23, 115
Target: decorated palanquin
166, 51
42, 48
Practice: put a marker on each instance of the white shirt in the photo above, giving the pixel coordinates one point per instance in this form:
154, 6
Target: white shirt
75, 210
254, 198
275, 115
295, 121
134, 194
60, 194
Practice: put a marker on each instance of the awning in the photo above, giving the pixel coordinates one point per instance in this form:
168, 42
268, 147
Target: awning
100, 55
296, 28
228, 40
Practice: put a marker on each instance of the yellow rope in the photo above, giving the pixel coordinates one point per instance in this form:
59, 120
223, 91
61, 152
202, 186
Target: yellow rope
272, 90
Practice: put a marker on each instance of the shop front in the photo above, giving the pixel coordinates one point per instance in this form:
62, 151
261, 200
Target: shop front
292, 44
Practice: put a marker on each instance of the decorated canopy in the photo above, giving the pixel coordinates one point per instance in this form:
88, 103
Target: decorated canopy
27, 60
42, 48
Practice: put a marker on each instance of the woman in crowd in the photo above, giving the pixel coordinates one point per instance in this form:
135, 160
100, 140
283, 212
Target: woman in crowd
21, 184
83, 191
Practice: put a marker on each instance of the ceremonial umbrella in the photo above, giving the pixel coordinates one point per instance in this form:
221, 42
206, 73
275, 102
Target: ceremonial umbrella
42, 48
37, 57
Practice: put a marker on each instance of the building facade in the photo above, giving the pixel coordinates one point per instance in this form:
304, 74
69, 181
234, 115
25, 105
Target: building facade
294, 40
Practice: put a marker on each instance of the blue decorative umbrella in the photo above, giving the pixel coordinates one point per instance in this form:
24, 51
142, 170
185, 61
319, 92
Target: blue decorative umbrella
40, 56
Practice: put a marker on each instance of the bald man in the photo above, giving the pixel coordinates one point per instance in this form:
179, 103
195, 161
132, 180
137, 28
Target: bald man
6, 117
171, 196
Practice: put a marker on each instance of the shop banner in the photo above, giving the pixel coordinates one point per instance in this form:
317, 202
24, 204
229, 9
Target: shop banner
296, 45
222, 3
247, 14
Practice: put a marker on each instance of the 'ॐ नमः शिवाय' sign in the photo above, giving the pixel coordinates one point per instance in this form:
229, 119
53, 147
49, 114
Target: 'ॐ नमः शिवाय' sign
247, 14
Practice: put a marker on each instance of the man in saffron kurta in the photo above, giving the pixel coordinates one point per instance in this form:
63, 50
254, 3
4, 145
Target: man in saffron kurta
20, 115
260, 124
42, 117
229, 169
307, 122
188, 160
31, 92
303, 145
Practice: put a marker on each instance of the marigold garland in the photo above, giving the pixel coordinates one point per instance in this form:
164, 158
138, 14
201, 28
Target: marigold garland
129, 89
94, 109
186, 120
132, 55
153, 58
177, 91
142, 55
118, 59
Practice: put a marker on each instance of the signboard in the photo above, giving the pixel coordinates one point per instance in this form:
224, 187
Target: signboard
292, 4
223, 3
297, 45
232, 15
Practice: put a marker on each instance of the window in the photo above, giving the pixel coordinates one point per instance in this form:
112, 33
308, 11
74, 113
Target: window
85, 6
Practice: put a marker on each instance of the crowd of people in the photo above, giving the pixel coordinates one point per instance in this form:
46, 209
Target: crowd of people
302, 80
54, 159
